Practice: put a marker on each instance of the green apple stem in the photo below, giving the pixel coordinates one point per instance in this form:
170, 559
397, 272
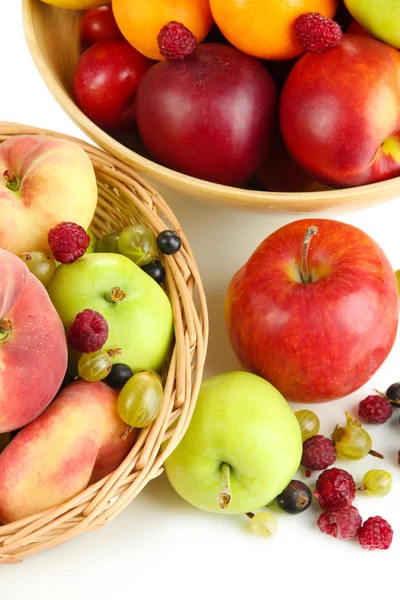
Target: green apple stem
305, 275
12, 182
5, 330
226, 495
116, 294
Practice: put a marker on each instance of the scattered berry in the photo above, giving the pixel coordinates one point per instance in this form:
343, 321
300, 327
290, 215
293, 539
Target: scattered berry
309, 423
155, 270
316, 33
342, 523
375, 409
308, 473
318, 453
335, 489
176, 41
264, 524
89, 332
68, 242
352, 442
376, 534
169, 242
393, 393
377, 482
119, 375
295, 498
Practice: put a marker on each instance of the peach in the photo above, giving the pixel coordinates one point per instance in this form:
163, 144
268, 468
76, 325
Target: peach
43, 181
33, 347
75, 442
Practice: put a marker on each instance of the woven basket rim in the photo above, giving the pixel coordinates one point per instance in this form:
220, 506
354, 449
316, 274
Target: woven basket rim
125, 196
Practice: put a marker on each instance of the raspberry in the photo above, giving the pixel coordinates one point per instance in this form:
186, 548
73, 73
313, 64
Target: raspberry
375, 409
343, 523
176, 41
68, 241
335, 489
318, 453
316, 33
89, 332
376, 534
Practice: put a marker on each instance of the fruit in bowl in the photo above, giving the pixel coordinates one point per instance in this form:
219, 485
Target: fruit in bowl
33, 348
345, 129
75, 4
314, 310
241, 449
380, 18
210, 116
137, 310
43, 181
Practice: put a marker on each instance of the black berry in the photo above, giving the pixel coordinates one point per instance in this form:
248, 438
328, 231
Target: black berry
118, 376
155, 270
296, 498
169, 242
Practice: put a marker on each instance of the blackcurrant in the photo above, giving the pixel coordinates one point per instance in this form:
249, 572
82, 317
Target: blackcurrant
296, 498
169, 242
155, 270
118, 376
393, 393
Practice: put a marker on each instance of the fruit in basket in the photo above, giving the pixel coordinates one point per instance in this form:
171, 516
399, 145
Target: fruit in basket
140, 400
241, 449
94, 366
33, 348
43, 181
75, 4
109, 242
137, 310
76, 441
380, 18
138, 243
142, 20
68, 242
210, 116
99, 25
314, 310
345, 130
105, 83
40, 264
266, 28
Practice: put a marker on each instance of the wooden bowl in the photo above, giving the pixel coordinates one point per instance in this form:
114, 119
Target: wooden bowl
52, 35
125, 198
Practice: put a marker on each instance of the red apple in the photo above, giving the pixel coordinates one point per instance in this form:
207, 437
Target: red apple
340, 112
33, 348
105, 83
315, 318
210, 116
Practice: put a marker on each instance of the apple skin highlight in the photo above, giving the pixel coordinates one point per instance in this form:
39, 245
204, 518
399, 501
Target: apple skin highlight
315, 341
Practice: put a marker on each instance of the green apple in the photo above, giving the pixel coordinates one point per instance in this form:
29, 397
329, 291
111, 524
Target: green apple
136, 308
243, 432
381, 18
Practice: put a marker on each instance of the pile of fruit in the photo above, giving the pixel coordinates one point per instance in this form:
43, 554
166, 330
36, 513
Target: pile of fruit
283, 96
85, 328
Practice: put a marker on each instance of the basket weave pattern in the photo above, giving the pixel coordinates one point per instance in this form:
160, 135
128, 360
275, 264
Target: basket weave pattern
125, 198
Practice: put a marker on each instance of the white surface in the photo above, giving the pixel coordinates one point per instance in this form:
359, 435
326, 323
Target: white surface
160, 546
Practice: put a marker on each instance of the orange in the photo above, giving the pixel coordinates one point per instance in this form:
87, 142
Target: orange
266, 28
140, 21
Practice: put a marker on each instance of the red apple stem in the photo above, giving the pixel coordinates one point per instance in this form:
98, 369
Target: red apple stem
305, 275
226, 495
5, 330
116, 294
12, 182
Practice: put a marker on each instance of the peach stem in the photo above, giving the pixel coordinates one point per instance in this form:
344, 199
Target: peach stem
5, 330
12, 182
305, 275
226, 495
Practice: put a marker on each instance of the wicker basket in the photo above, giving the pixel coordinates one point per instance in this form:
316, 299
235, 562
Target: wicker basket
124, 197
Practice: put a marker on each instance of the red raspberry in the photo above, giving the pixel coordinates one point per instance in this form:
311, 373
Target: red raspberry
343, 523
176, 41
68, 241
318, 453
89, 332
316, 33
335, 489
376, 534
375, 409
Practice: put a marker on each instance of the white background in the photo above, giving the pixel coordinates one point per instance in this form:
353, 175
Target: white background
160, 546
